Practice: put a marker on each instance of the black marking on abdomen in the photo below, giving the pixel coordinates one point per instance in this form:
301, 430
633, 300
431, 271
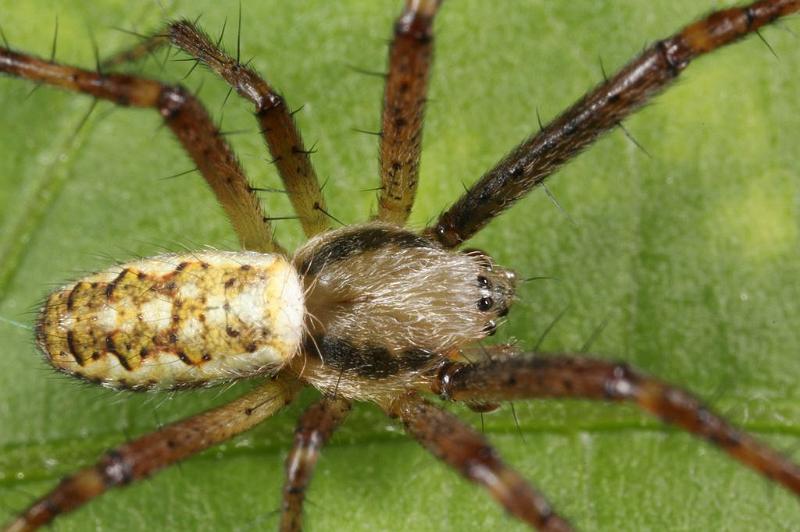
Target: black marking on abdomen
372, 361
110, 287
73, 294
73, 348
111, 348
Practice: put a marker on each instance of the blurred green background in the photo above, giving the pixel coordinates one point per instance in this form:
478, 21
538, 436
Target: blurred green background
689, 256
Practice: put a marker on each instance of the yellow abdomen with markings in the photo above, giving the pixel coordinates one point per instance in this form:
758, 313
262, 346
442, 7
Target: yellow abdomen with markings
176, 321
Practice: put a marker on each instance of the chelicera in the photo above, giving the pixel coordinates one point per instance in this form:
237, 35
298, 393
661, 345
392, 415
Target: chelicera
99, 328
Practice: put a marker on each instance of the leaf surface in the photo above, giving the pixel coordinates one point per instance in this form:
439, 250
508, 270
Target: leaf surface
690, 257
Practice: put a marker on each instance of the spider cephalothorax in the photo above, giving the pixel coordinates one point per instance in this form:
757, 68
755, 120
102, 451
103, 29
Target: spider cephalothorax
427, 302
369, 312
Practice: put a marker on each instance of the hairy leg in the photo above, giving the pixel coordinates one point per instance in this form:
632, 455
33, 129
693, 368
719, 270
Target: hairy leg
462, 448
569, 376
313, 431
152, 452
187, 119
275, 120
602, 109
404, 109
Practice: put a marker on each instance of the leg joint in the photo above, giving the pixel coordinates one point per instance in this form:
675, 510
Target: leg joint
621, 382
444, 378
269, 101
172, 100
670, 51
115, 469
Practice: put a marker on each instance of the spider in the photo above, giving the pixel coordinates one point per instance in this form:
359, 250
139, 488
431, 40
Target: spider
484, 246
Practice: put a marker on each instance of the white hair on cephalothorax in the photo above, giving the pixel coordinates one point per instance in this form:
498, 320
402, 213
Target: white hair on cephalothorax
418, 297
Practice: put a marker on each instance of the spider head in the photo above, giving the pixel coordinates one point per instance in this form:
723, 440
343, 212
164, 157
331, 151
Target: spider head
497, 287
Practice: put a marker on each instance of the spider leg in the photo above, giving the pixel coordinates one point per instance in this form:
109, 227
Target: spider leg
568, 376
148, 45
404, 109
187, 119
152, 452
275, 120
313, 431
600, 110
464, 449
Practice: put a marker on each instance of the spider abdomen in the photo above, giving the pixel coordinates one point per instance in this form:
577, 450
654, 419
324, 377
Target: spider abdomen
176, 320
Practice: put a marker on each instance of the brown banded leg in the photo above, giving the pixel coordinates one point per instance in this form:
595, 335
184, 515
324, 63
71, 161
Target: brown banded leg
313, 431
152, 452
275, 120
464, 449
404, 109
187, 119
602, 109
569, 376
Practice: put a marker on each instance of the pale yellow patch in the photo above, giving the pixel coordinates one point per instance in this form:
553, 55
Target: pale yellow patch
157, 313
215, 313
759, 221
107, 319
191, 328
250, 305
189, 291
286, 306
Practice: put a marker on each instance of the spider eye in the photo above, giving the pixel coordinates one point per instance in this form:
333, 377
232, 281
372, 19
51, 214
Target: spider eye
485, 303
483, 282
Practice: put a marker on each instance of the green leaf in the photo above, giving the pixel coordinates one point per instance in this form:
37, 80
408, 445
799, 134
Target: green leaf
689, 256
